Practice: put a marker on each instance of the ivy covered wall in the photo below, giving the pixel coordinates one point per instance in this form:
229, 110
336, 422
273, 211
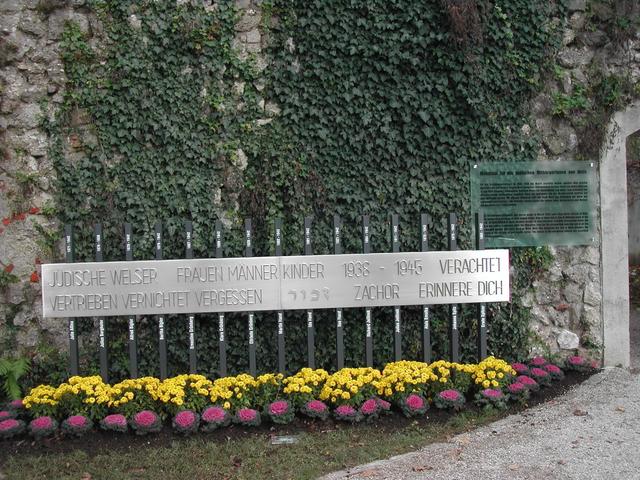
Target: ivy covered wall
196, 111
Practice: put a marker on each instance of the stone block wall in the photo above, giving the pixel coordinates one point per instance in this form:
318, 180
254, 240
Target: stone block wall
567, 302
32, 80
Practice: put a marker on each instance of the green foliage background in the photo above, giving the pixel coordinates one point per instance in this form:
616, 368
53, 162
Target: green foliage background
383, 106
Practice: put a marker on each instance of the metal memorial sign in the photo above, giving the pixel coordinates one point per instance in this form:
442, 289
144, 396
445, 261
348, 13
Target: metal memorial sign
535, 203
190, 286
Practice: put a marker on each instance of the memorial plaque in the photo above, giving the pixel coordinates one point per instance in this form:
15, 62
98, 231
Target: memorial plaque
535, 203
161, 287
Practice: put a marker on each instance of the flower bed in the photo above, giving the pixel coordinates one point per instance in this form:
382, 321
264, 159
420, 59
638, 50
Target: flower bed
191, 403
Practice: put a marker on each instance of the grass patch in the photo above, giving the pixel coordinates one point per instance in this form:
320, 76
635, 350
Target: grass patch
251, 456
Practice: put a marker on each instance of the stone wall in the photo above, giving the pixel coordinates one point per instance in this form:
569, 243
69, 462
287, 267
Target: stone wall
31, 81
566, 302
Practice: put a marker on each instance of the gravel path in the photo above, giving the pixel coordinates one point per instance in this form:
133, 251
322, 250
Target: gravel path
592, 432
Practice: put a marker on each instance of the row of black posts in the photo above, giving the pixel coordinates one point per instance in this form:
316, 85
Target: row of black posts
454, 349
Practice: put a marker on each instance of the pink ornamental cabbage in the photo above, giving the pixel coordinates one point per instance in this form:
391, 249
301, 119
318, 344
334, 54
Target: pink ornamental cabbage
4, 414
518, 392
413, 405
248, 417
280, 412
42, 426
11, 427
41, 423
185, 419
576, 360
516, 388
213, 418
520, 368
77, 421
449, 398
538, 361
247, 414
491, 398
450, 395
186, 422
369, 407
541, 376
145, 422
77, 425
279, 407
527, 381
115, 420
145, 418
345, 410
315, 409
317, 406
580, 364
552, 368
555, 372
415, 402
8, 424
383, 404
347, 413
492, 393
16, 404
214, 414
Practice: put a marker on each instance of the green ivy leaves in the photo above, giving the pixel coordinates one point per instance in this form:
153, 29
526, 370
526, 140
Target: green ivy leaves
381, 111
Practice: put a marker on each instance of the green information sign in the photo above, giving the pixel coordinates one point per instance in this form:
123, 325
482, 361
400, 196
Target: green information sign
535, 203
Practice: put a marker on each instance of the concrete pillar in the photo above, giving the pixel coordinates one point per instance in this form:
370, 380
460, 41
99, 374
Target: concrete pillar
614, 228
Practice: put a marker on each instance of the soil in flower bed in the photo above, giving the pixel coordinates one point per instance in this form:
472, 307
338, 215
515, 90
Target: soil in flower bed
100, 441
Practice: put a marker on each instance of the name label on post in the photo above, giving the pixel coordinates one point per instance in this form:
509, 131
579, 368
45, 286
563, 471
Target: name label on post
308, 282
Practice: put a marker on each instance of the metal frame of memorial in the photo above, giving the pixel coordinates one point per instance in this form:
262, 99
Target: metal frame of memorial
453, 310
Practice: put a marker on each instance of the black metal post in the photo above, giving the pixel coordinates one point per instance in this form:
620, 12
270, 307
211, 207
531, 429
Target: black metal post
337, 250
191, 321
397, 334
162, 329
481, 310
248, 252
133, 339
425, 220
102, 324
311, 342
222, 341
280, 331
74, 361
368, 342
454, 350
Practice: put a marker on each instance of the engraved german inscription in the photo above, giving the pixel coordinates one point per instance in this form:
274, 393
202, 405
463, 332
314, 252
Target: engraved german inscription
192, 286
